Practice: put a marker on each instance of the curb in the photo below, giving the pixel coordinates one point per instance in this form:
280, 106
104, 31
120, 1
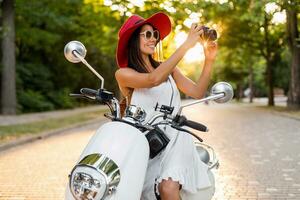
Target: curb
44, 135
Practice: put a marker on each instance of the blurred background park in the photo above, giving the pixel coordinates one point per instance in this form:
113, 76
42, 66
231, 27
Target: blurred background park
259, 47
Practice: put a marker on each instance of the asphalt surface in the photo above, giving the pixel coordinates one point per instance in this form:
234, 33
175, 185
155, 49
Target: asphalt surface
259, 154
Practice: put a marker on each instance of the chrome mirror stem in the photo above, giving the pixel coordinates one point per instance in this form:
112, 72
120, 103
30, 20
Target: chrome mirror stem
213, 97
90, 67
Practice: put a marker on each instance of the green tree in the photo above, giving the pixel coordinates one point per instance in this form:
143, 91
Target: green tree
41, 36
248, 32
249, 44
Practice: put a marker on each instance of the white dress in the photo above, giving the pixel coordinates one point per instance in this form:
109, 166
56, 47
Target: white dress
179, 161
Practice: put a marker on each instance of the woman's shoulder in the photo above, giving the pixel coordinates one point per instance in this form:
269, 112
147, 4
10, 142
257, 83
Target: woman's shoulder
124, 71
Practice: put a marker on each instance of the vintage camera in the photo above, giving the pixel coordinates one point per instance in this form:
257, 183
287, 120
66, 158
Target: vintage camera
208, 34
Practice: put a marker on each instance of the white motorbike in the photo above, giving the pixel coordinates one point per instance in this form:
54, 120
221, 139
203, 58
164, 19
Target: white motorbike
113, 164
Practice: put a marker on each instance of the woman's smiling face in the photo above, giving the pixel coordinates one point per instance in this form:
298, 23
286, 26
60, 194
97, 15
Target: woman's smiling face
147, 46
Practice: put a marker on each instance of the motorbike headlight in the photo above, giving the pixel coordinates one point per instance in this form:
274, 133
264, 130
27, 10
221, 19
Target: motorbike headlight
94, 177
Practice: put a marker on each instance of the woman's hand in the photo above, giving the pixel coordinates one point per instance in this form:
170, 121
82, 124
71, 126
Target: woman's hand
210, 50
193, 36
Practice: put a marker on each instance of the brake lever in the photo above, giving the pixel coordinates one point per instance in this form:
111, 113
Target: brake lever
187, 131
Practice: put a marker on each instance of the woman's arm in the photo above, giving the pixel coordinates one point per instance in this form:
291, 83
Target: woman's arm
129, 78
197, 90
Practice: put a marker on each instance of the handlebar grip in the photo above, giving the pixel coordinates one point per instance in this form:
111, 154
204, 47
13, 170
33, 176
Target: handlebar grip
195, 125
89, 92
184, 130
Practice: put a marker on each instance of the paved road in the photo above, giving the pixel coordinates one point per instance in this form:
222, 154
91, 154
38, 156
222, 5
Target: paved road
259, 154
39, 170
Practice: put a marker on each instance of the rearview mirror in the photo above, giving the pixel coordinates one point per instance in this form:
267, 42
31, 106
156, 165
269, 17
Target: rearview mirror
75, 52
71, 48
225, 88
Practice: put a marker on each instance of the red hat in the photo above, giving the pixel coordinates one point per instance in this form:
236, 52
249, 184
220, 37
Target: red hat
160, 21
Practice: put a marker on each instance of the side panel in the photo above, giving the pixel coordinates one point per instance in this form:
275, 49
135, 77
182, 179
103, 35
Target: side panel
129, 149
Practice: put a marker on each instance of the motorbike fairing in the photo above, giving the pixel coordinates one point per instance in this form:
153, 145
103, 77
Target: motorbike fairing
128, 148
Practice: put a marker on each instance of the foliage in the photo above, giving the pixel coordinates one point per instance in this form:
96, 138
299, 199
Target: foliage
43, 74
248, 35
34, 101
248, 38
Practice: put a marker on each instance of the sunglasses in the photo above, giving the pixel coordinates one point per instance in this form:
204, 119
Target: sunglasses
149, 34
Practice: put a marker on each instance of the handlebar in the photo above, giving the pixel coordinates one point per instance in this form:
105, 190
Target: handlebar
102, 96
189, 132
177, 122
195, 125
183, 121
89, 92
86, 93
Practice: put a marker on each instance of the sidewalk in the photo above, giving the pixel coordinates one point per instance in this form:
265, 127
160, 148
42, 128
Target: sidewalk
6, 120
26, 119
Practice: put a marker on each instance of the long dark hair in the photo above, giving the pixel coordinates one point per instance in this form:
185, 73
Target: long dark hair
135, 60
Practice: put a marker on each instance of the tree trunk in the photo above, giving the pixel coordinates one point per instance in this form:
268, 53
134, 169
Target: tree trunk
294, 46
8, 88
239, 92
251, 94
270, 84
268, 61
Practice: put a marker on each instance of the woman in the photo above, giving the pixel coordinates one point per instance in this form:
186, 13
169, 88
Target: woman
147, 81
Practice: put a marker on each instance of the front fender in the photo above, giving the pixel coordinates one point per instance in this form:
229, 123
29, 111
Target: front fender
129, 149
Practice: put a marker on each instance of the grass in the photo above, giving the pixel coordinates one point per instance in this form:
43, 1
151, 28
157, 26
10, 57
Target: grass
12, 132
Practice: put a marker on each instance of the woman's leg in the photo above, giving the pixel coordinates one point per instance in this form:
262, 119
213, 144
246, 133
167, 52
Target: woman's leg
169, 190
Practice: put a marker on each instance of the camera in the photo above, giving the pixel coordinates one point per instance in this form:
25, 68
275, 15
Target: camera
209, 34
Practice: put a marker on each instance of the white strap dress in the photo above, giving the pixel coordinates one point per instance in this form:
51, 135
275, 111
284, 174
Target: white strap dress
179, 160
